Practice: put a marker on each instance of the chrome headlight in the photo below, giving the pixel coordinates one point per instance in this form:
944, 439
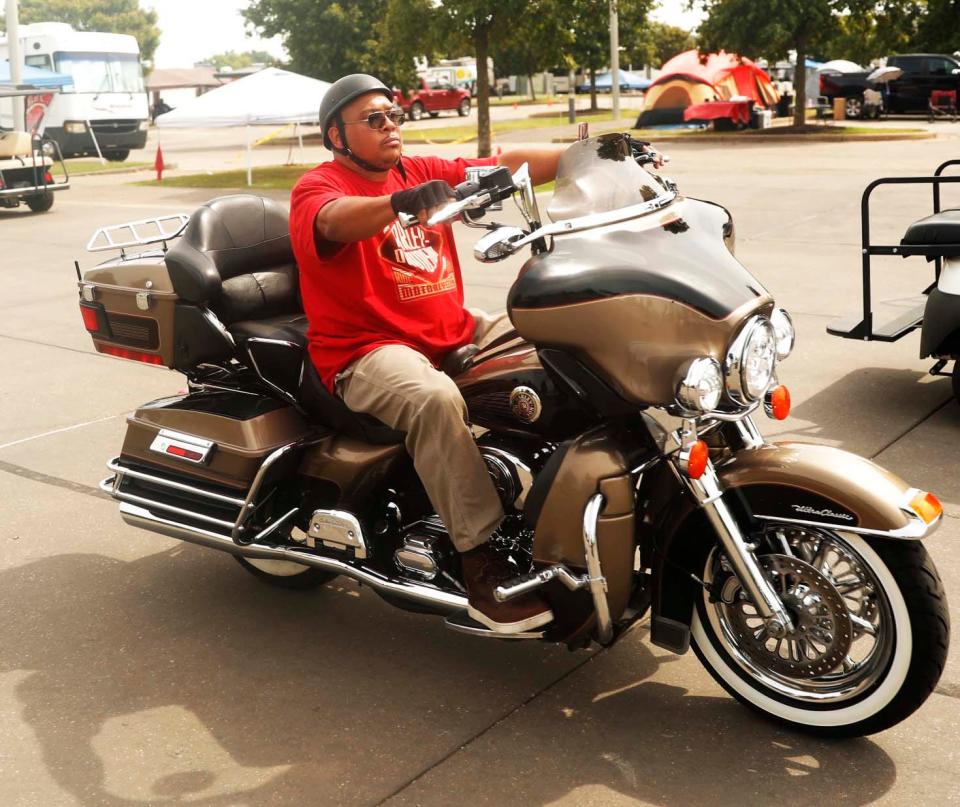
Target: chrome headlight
701, 387
784, 330
751, 360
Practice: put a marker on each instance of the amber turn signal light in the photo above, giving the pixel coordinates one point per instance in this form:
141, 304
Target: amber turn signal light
927, 506
697, 459
776, 403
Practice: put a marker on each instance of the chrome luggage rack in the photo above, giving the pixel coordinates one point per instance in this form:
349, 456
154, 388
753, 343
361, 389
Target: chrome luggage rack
156, 230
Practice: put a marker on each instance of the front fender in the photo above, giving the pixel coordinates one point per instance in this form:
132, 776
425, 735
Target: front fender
788, 483
821, 486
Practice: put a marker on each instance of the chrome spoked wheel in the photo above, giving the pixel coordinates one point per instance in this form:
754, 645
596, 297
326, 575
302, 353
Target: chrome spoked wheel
844, 630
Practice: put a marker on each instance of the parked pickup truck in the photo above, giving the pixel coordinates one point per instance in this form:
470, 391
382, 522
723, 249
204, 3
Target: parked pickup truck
433, 97
922, 74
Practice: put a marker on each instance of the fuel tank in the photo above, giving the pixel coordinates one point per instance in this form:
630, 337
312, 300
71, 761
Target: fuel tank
639, 298
507, 389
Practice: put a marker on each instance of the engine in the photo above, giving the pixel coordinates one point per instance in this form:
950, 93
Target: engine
426, 553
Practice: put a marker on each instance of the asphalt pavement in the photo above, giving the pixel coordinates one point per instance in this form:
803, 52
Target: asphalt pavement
137, 670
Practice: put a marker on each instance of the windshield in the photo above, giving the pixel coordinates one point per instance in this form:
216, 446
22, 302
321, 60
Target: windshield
599, 175
102, 72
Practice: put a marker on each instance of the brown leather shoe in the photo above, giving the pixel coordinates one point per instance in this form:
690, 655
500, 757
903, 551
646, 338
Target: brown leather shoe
483, 570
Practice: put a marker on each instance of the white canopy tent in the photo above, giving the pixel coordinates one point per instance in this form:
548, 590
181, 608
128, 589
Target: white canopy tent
270, 96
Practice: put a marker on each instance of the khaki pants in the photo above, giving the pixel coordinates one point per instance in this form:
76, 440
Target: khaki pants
399, 386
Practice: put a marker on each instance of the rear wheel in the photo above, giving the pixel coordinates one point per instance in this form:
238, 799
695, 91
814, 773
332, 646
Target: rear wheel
285, 573
853, 107
872, 631
956, 379
416, 111
41, 202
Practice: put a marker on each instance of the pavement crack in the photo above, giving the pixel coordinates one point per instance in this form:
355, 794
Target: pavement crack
949, 690
54, 481
47, 344
909, 429
505, 716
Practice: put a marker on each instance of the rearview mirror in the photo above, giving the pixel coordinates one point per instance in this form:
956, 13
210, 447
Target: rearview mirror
497, 245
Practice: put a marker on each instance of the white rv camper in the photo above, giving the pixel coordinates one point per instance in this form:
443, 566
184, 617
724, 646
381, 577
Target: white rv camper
107, 101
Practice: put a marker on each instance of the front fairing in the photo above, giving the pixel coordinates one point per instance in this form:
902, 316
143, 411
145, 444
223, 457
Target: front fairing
639, 298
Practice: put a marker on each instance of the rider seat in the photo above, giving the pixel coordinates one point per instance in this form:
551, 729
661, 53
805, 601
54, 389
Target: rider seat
933, 236
234, 259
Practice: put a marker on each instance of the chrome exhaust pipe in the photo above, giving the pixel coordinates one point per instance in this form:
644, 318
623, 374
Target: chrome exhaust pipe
137, 516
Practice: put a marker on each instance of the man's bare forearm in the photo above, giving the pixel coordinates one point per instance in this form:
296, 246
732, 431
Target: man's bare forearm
354, 218
542, 162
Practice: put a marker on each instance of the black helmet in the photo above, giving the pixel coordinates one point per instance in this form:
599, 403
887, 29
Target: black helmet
342, 92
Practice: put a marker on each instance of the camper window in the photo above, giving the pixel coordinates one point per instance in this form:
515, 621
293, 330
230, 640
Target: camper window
102, 72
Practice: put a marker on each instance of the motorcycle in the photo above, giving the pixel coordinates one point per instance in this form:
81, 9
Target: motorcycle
616, 421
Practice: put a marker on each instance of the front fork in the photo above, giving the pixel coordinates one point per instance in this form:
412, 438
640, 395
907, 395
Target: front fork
708, 492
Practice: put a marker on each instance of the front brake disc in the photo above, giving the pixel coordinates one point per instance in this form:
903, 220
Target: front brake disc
822, 631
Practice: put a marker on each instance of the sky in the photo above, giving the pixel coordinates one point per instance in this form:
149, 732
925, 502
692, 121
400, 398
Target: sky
193, 30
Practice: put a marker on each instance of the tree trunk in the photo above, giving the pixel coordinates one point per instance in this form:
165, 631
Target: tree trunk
593, 90
800, 84
483, 90
533, 92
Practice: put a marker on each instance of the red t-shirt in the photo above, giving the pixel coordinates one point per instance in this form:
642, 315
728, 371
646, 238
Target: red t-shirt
396, 287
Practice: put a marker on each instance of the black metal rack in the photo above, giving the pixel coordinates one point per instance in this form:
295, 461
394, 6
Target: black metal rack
862, 327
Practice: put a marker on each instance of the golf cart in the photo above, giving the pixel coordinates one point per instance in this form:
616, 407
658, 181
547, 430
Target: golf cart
26, 158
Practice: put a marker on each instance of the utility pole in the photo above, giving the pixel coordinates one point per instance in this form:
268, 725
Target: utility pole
615, 59
16, 59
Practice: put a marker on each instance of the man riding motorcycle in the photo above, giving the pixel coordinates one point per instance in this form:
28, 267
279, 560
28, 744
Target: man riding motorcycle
385, 305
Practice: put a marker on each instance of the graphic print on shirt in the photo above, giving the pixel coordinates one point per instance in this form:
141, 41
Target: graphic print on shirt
421, 267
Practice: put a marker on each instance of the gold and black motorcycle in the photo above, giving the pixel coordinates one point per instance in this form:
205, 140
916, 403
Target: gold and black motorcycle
616, 420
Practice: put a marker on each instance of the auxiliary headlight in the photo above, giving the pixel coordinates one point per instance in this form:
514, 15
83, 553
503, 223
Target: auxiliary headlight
750, 361
786, 335
75, 126
701, 387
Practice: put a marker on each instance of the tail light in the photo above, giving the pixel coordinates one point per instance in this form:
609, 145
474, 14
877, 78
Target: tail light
48, 177
133, 355
94, 318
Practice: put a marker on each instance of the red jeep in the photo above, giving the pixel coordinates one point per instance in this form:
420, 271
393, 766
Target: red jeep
432, 97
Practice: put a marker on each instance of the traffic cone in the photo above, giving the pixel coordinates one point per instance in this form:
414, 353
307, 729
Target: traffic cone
158, 163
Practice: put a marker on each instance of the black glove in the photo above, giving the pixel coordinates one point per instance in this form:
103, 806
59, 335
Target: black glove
422, 197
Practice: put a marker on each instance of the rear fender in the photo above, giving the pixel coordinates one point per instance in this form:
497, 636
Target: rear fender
787, 483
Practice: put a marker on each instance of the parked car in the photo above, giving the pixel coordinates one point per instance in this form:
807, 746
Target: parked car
433, 97
922, 74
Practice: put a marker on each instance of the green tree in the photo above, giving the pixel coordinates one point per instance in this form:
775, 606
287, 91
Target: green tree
113, 16
936, 30
328, 39
658, 42
589, 23
536, 42
237, 61
456, 25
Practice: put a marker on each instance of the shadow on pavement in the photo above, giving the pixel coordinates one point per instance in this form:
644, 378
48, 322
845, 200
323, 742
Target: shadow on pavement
179, 678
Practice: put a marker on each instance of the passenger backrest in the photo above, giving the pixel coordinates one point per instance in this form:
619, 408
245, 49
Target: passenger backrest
235, 257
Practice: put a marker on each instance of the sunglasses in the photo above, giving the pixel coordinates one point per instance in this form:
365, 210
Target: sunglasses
377, 120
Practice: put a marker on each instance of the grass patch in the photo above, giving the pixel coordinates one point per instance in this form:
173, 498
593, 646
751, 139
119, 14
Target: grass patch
269, 177
463, 134
81, 167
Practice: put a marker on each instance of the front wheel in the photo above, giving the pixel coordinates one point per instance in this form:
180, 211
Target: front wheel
416, 111
117, 155
463, 109
870, 640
